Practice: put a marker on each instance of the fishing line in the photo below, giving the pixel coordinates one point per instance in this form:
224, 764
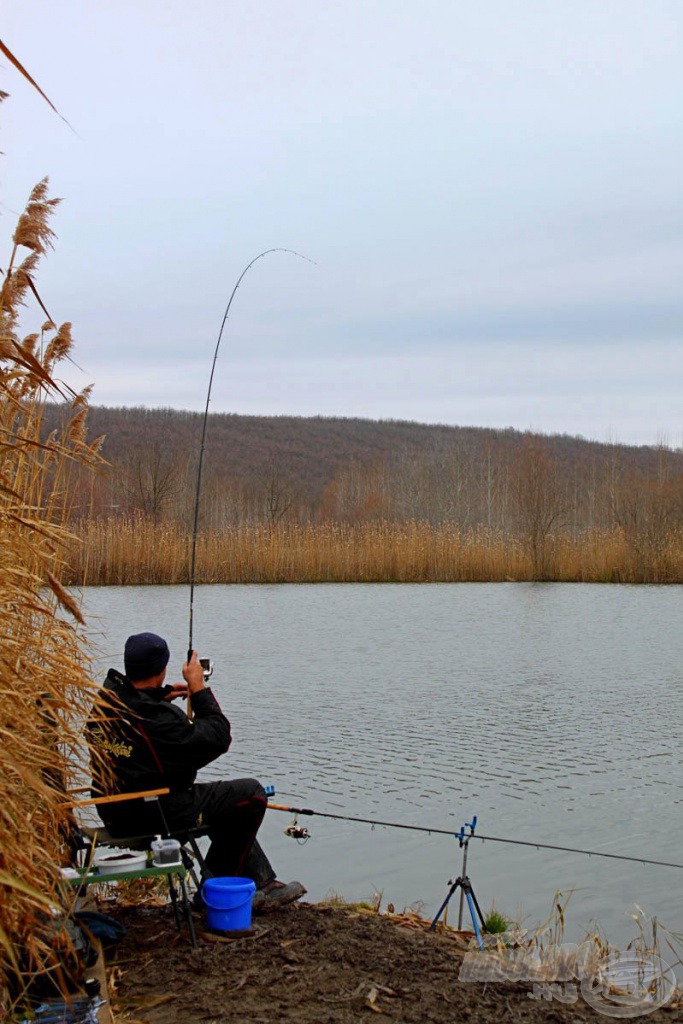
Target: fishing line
450, 832
193, 558
491, 839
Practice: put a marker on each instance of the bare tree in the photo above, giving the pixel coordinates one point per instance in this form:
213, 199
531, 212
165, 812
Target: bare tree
152, 475
357, 492
538, 500
278, 496
226, 502
649, 511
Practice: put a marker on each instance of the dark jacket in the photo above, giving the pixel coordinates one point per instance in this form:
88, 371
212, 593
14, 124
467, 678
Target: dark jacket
149, 743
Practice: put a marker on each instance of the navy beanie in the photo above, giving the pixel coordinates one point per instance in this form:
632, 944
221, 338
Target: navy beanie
145, 655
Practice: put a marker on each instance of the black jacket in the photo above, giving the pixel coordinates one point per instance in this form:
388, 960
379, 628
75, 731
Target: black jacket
149, 743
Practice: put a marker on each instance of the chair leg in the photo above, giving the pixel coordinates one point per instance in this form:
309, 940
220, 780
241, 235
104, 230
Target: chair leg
198, 855
188, 861
174, 901
187, 909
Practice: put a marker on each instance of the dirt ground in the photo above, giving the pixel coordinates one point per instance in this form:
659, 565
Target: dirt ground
314, 965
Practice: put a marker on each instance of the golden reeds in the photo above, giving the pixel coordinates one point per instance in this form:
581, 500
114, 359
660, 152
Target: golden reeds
137, 551
44, 686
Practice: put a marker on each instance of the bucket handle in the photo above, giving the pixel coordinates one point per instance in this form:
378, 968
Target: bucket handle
247, 899
235, 906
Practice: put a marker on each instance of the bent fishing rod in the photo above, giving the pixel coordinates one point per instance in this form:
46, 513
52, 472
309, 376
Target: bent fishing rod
206, 664
461, 835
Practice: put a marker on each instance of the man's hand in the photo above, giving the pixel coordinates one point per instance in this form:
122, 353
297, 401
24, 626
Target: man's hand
193, 674
176, 690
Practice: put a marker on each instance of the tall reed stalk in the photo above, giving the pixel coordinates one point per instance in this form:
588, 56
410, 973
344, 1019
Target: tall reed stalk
44, 686
136, 550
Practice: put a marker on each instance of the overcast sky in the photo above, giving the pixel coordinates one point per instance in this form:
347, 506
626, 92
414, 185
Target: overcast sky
491, 192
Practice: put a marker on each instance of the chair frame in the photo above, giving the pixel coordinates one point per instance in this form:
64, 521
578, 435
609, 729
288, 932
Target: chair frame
87, 838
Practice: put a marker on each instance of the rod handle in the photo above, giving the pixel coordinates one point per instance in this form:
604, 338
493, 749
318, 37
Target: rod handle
290, 810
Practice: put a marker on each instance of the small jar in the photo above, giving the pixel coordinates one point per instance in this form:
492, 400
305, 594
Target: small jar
165, 852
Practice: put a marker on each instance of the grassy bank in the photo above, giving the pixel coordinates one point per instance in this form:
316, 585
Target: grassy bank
136, 551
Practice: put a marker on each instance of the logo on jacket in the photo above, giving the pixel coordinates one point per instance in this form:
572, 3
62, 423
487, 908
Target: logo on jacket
112, 747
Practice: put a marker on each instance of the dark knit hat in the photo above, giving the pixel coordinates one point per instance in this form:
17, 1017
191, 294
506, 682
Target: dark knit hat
145, 655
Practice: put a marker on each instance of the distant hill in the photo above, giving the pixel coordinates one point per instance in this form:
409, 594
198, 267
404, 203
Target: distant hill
275, 468
310, 450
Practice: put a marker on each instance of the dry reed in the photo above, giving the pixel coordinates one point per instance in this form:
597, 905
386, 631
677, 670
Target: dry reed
136, 551
44, 686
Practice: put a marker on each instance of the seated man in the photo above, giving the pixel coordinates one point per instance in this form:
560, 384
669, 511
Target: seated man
140, 741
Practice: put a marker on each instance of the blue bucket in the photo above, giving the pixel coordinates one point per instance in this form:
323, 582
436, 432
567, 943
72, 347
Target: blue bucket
228, 903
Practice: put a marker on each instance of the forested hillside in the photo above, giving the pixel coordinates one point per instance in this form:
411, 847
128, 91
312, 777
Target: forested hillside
350, 469
276, 472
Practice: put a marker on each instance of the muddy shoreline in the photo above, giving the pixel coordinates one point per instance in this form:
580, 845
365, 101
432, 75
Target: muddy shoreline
314, 964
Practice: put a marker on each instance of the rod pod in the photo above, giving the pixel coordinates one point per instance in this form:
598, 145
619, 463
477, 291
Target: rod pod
463, 883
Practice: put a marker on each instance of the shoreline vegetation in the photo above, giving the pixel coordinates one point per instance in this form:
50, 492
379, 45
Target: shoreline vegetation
44, 667
137, 550
310, 499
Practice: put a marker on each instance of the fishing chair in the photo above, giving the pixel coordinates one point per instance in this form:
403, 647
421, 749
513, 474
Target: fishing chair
86, 838
91, 835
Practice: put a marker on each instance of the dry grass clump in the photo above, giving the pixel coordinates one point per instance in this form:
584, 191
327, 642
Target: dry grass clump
137, 550
44, 688
628, 982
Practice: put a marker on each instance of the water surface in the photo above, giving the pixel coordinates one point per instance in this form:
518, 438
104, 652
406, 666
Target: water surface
552, 711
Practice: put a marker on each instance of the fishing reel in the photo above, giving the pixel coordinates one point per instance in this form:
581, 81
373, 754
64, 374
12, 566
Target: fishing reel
296, 831
207, 668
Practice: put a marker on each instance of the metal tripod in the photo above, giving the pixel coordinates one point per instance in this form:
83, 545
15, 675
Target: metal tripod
463, 883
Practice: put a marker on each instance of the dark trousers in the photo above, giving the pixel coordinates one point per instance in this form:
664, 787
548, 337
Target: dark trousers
230, 813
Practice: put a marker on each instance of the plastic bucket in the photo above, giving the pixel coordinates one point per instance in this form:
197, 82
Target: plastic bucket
228, 903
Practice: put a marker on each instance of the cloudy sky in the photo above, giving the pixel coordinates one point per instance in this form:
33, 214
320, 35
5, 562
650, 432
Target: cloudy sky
491, 193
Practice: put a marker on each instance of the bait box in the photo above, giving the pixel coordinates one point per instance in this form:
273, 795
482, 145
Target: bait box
112, 863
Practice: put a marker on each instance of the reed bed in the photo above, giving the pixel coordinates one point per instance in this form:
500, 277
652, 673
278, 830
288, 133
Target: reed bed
136, 551
44, 685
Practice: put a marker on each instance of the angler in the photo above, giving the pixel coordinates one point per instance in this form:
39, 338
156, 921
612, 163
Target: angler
138, 736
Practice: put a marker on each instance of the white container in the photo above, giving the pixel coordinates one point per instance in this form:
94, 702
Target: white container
166, 853
112, 863
68, 873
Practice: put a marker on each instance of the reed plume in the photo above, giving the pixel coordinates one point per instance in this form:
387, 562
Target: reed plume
44, 683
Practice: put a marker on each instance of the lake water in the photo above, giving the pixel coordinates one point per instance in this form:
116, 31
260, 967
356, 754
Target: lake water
552, 711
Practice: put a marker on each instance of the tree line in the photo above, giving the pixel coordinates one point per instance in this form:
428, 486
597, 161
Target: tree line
274, 471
